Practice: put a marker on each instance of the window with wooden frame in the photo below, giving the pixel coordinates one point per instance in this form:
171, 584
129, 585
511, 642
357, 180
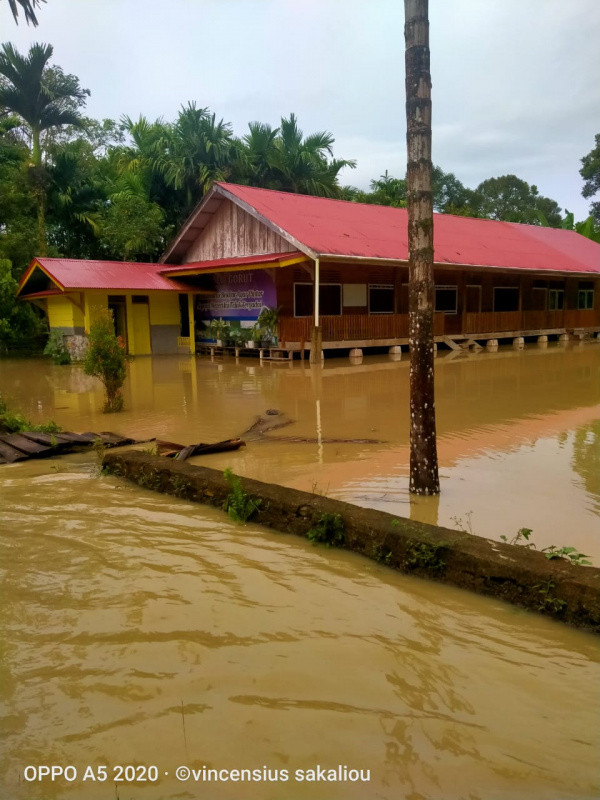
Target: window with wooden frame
585, 299
556, 299
330, 299
446, 299
381, 298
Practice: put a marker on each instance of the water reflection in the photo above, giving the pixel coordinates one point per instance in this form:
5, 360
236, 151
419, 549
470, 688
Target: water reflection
518, 430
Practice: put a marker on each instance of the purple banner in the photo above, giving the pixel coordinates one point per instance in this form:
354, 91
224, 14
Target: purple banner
240, 295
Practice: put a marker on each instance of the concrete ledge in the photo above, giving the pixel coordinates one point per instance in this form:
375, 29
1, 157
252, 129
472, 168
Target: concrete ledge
513, 573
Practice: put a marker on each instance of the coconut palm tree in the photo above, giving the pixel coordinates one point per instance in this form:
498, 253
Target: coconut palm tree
44, 98
28, 7
283, 158
302, 162
199, 150
424, 478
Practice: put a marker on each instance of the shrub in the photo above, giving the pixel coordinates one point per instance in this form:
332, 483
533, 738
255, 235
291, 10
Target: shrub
56, 348
106, 359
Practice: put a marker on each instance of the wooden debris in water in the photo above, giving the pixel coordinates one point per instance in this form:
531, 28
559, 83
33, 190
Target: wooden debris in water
182, 452
31, 444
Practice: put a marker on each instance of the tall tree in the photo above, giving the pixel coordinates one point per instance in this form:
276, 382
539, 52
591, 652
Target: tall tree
44, 98
28, 7
283, 158
424, 477
590, 172
511, 199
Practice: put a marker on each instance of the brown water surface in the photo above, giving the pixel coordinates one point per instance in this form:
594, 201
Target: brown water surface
140, 629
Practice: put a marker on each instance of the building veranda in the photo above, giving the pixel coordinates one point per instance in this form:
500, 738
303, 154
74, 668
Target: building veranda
332, 268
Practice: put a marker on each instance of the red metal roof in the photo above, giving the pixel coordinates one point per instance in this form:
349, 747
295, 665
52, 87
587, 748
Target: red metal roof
224, 263
74, 273
342, 228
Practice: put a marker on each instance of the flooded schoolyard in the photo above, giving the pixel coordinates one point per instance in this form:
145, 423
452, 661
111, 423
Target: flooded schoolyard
141, 629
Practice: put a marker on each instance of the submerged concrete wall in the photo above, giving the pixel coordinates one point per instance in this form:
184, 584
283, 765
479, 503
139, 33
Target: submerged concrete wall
513, 573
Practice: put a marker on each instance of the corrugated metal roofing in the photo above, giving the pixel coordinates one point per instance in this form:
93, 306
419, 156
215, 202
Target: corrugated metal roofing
342, 228
73, 273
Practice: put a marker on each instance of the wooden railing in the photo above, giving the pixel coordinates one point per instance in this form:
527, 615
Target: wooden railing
575, 318
492, 321
352, 327
540, 320
365, 327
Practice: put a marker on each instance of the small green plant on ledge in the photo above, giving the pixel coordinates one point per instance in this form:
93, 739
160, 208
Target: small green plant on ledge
520, 535
548, 601
239, 504
382, 554
425, 555
180, 486
465, 525
568, 553
149, 479
329, 530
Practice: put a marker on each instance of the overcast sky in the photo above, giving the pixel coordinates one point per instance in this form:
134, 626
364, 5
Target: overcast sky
516, 83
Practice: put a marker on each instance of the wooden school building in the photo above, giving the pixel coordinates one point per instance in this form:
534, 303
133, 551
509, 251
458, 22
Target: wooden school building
333, 267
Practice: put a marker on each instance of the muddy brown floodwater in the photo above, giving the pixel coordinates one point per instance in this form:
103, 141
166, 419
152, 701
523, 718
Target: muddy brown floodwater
140, 629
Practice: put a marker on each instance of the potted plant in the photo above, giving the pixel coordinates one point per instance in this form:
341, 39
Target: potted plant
244, 337
267, 322
218, 328
235, 337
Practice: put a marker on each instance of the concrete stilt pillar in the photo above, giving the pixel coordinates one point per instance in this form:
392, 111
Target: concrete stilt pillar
491, 344
395, 350
356, 355
542, 339
518, 343
564, 337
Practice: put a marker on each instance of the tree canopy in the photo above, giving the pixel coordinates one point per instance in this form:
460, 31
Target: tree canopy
590, 172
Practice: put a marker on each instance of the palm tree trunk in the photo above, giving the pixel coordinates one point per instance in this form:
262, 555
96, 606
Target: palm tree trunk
424, 478
39, 191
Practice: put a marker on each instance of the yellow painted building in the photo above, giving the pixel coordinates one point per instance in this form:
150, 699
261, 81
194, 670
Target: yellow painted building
152, 314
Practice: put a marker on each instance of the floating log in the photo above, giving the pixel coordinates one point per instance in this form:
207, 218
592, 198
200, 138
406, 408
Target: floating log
182, 452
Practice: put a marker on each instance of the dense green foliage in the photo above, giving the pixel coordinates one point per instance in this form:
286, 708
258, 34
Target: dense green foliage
105, 358
81, 188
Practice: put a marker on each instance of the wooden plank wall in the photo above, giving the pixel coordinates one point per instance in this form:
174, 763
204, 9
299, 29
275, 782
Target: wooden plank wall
234, 232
